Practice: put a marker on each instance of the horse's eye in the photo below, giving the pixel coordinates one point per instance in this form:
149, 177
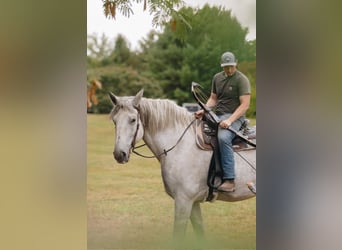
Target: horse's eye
133, 120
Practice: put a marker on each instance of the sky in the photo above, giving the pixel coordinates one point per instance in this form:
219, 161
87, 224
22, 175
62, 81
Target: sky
139, 24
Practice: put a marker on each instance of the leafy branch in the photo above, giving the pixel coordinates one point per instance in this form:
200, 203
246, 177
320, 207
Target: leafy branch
163, 11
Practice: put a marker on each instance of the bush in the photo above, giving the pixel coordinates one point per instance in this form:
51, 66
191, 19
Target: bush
105, 105
123, 81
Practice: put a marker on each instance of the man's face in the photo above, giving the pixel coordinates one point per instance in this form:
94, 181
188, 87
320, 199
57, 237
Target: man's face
229, 70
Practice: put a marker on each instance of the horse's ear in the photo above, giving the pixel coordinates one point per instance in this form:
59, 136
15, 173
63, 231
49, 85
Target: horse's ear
113, 98
137, 98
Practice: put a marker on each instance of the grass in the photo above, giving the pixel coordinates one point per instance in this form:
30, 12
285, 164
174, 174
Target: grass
129, 209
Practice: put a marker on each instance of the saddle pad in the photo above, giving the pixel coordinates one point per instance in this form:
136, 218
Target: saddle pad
202, 140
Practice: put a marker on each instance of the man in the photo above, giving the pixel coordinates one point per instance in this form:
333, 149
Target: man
230, 94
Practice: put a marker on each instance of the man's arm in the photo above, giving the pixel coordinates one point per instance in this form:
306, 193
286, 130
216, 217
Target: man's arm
210, 103
212, 100
244, 105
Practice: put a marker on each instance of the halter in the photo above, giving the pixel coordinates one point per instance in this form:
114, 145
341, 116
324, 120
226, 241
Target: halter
165, 151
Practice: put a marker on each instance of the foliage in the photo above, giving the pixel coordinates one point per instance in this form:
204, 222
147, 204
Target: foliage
103, 52
121, 53
98, 49
162, 10
249, 69
122, 81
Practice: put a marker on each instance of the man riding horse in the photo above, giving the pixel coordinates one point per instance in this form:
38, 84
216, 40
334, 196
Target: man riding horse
230, 98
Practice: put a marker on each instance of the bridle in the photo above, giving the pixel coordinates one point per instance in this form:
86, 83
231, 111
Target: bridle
136, 131
165, 151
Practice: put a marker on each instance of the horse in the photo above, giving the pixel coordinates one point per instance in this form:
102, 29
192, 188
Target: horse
184, 167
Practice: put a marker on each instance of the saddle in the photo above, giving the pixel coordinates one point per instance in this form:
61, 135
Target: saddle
206, 135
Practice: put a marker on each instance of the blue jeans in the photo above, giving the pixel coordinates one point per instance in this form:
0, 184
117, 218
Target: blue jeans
225, 138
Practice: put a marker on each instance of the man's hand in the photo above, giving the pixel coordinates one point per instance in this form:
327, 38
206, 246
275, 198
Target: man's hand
199, 114
225, 124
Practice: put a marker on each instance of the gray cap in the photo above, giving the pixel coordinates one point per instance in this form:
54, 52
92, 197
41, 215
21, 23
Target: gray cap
228, 59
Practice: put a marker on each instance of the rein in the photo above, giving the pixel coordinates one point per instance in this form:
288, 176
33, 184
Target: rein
165, 151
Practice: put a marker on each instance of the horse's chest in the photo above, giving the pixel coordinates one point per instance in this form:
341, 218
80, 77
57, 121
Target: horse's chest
168, 182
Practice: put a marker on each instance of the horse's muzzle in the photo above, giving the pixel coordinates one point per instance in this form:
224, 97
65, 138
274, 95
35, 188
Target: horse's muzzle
121, 156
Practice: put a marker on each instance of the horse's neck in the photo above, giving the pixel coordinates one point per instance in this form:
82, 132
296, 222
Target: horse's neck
163, 123
162, 140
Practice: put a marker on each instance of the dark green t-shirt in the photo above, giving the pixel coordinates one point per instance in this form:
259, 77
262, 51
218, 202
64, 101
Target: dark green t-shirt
228, 89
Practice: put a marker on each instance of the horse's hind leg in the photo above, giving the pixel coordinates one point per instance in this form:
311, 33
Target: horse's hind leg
197, 222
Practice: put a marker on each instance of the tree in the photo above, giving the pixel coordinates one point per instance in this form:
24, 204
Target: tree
121, 52
98, 49
102, 51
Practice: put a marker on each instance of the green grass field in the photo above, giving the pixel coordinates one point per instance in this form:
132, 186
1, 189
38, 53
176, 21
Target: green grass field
129, 209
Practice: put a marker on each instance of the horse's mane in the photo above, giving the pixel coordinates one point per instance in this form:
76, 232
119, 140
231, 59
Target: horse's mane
160, 113
157, 114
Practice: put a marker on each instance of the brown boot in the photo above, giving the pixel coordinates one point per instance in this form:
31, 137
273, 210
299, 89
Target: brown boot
227, 186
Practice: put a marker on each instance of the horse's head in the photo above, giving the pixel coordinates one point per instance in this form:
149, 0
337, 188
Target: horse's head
128, 125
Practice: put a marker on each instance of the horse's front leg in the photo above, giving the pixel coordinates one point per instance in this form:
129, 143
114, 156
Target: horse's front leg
183, 209
197, 223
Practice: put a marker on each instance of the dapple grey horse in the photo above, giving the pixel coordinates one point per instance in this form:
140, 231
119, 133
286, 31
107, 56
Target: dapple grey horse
160, 123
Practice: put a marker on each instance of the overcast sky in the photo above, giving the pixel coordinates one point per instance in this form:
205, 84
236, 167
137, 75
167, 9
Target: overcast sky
140, 23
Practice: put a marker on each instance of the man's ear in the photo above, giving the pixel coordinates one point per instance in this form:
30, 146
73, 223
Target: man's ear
113, 98
137, 98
